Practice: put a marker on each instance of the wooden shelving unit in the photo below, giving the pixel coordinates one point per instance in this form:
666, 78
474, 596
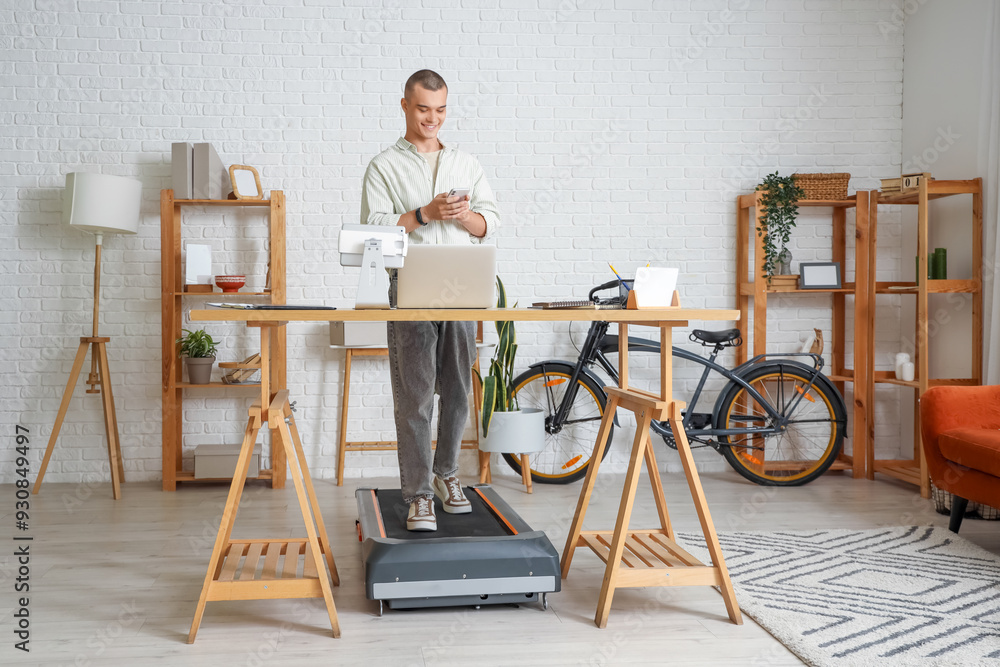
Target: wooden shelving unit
914, 469
172, 307
752, 290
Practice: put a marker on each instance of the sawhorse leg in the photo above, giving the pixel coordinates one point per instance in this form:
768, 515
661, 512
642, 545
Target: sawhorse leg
311, 492
573, 539
639, 447
701, 506
228, 515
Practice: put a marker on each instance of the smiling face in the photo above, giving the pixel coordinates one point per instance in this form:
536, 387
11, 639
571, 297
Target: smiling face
425, 112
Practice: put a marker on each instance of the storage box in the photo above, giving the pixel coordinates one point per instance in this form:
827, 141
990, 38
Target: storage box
219, 461
358, 334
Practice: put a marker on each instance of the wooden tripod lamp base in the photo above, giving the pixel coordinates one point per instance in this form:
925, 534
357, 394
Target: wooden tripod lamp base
102, 380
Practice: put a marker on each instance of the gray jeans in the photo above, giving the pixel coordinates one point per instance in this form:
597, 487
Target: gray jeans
424, 358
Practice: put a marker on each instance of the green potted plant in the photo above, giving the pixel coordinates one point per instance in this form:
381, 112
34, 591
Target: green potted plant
779, 204
198, 349
506, 427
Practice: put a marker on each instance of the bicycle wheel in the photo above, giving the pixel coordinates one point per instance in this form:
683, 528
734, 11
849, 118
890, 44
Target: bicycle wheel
813, 433
569, 449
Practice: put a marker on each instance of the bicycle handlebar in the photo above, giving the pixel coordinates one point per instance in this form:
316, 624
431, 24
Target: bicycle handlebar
607, 285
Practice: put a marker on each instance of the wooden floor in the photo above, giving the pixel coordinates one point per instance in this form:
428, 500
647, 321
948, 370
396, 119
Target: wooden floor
115, 583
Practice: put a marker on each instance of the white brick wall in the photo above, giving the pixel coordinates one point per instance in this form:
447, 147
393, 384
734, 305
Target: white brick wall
619, 134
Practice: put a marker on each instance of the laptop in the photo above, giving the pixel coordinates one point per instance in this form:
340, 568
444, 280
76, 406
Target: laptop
447, 276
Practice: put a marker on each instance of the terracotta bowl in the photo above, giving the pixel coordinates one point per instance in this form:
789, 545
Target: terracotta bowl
230, 283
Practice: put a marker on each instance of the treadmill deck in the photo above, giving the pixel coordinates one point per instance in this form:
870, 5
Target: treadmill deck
489, 556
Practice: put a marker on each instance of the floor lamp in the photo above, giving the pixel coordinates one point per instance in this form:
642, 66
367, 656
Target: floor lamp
99, 205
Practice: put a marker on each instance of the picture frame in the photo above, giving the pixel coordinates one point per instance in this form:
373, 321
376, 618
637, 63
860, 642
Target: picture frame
819, 275
246, 182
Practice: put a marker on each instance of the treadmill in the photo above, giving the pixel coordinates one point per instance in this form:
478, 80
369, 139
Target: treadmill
488, 556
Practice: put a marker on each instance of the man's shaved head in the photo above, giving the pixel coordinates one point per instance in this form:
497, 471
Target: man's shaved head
425, 78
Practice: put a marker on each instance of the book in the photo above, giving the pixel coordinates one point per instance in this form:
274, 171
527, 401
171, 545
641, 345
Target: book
580, 304
180, 170
207, 172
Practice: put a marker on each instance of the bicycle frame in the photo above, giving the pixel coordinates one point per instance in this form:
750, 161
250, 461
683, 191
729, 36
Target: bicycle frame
598, 344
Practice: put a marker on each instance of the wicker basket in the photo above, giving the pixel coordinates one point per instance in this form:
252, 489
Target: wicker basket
942, 504
823, 186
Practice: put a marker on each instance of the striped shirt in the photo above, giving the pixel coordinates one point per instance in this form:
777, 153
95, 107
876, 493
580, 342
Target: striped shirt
399, 179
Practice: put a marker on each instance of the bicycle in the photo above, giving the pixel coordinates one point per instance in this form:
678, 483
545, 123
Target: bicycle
778, 421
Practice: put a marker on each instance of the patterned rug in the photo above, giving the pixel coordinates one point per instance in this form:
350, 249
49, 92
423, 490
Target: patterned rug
916, 595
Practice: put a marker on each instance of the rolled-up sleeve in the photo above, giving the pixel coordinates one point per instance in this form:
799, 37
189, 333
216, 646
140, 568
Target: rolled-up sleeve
377, 205
483, 202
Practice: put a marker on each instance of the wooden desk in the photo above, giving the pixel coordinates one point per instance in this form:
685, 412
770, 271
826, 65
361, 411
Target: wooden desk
648, 557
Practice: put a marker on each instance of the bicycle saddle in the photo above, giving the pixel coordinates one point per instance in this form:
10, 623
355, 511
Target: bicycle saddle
716, 337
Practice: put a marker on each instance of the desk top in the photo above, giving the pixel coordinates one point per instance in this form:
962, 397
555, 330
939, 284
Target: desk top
645, 315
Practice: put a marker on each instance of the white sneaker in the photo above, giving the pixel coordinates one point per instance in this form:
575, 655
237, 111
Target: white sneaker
421, 515
450, 492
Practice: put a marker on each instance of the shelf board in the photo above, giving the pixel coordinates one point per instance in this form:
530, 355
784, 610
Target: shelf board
935, 190
216, 385
969, 286
888, 377
827, 203
846, 376
839, 290
891, 380
749, 201
954, 382
747, 289
227, 295
188, 476
222, 202
906, 471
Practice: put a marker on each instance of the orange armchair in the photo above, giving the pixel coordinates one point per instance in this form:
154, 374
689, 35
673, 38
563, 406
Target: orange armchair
961, 437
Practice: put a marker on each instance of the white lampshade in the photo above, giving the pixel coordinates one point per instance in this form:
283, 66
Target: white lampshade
102, 204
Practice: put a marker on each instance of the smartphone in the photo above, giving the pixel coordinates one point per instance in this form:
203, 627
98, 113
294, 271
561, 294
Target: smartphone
459, 192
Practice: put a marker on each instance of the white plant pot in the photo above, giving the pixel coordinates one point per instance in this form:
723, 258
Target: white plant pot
518, 432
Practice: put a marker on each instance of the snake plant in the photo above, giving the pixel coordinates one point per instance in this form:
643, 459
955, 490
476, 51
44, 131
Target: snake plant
498, 395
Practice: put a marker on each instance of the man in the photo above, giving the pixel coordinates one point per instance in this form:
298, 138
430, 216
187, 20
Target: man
424, 357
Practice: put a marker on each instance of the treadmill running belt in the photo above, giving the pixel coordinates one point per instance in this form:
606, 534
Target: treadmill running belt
481, 522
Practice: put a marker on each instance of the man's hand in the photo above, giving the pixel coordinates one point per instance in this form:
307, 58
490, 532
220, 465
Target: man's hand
444, 207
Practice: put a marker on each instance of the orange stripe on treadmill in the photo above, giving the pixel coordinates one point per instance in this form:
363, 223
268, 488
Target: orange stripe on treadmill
378, 513
497, 512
